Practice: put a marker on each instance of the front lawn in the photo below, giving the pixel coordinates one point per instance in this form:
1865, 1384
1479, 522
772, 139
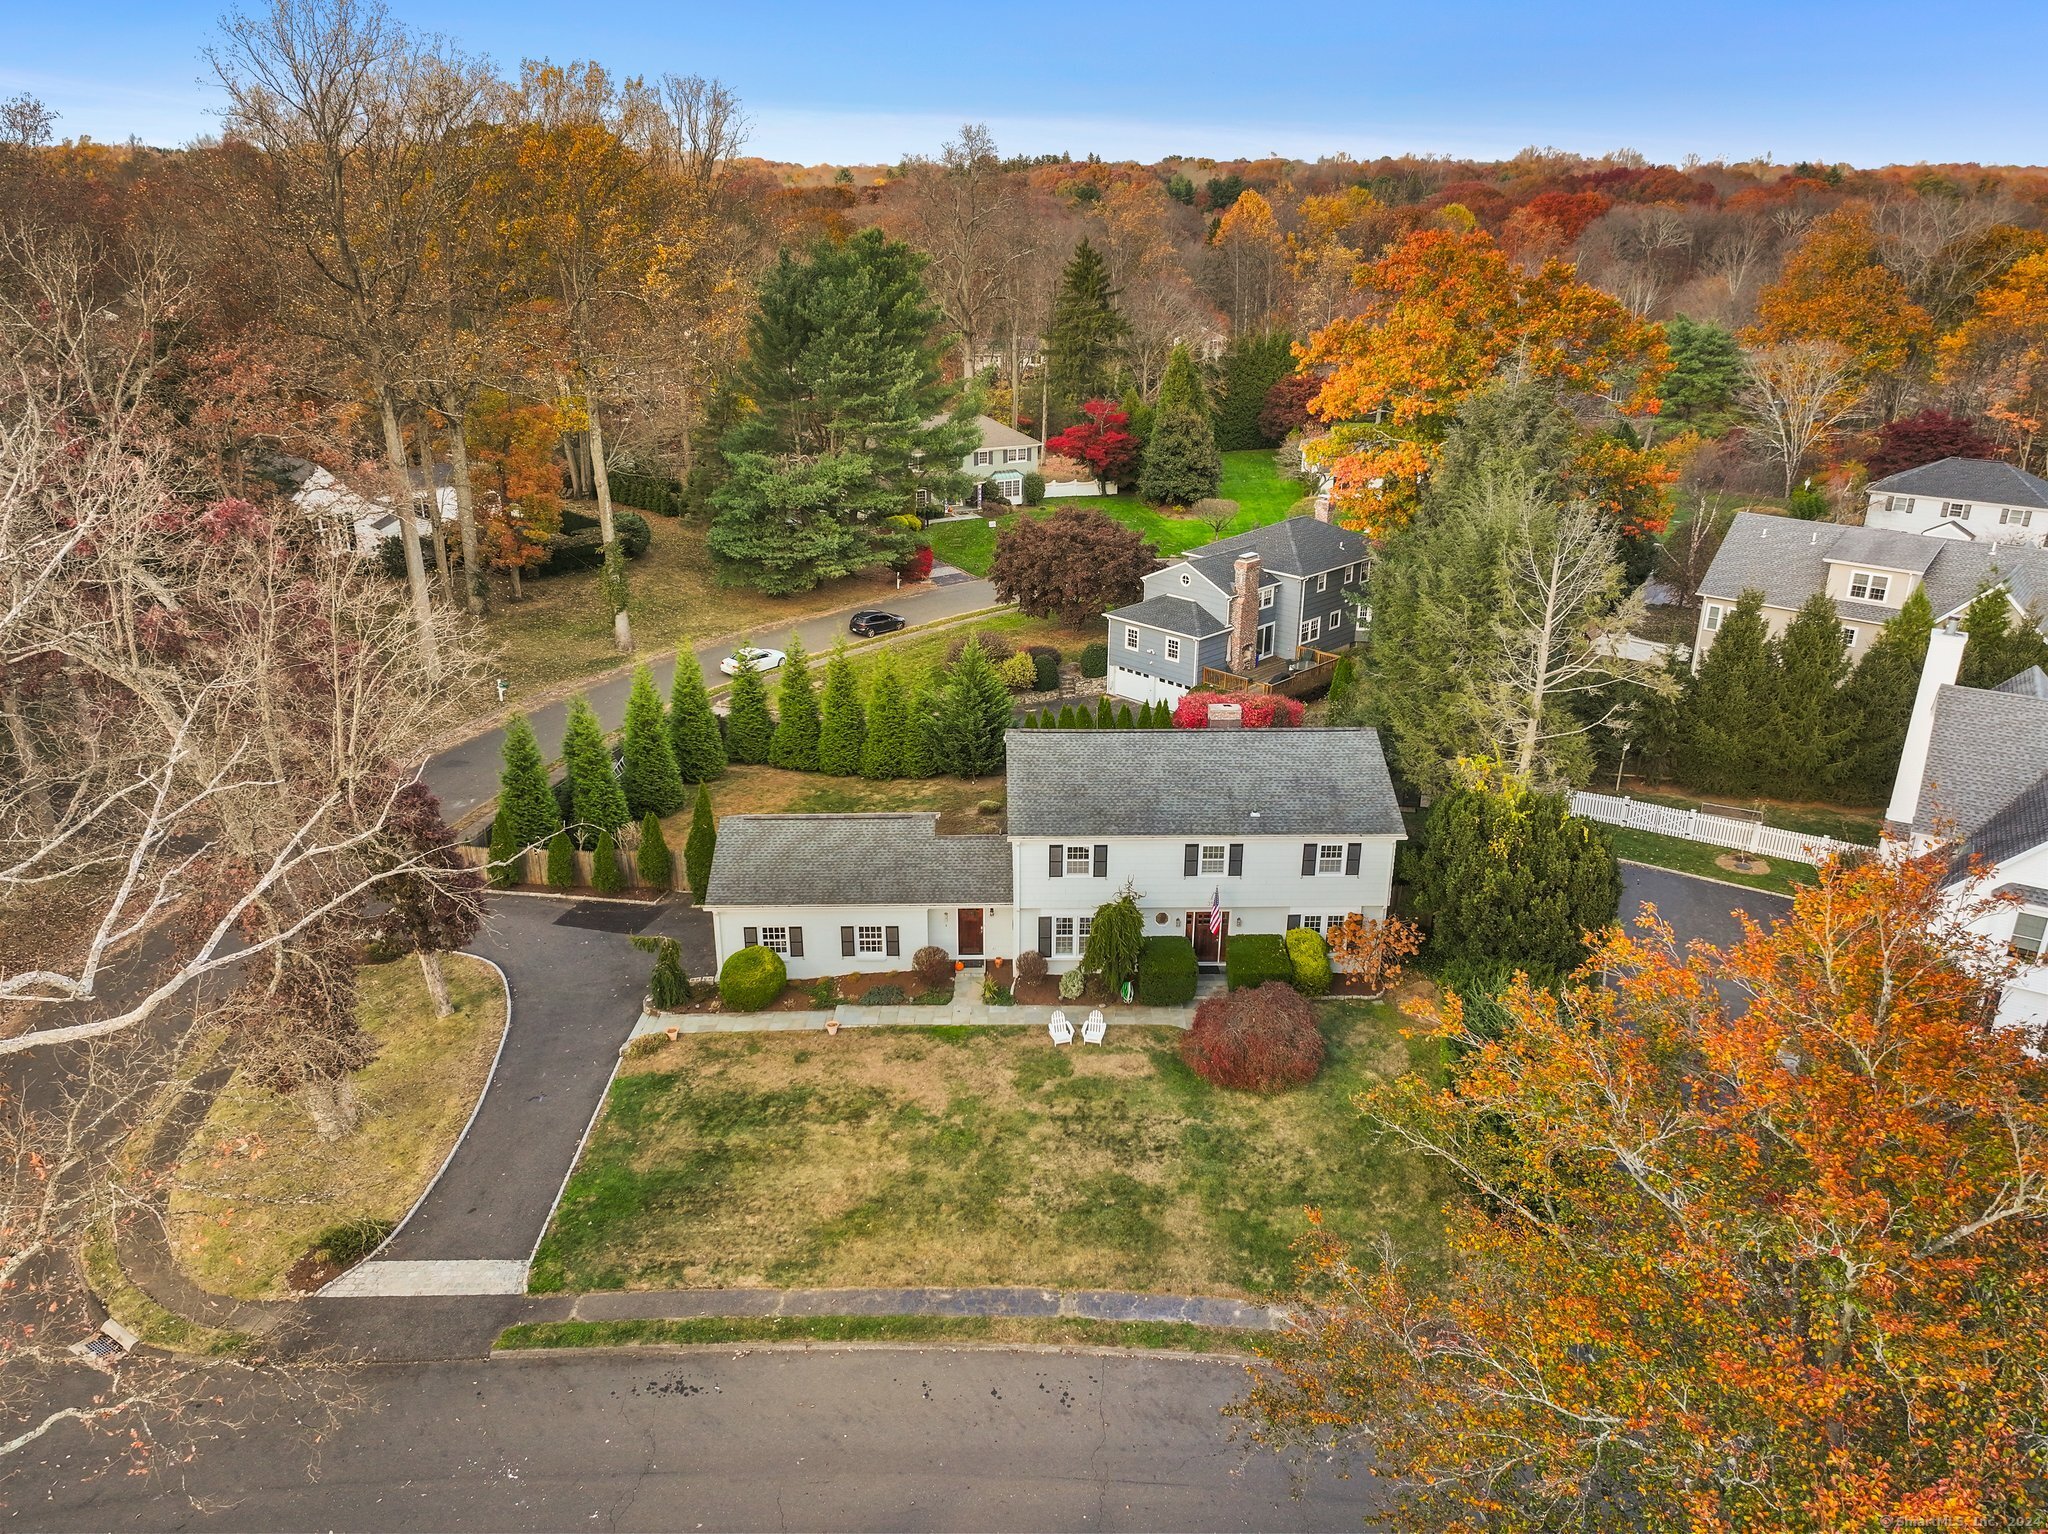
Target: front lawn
1698, 858
256, 1185
1250, 478
979, 1156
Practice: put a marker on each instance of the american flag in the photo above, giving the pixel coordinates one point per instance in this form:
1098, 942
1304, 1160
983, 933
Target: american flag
1216, 912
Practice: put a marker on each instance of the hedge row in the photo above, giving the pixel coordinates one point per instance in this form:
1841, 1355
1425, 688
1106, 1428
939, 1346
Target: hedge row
664, 497
1166, 972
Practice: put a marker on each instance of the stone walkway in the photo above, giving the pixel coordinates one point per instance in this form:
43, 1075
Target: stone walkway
1088, 1304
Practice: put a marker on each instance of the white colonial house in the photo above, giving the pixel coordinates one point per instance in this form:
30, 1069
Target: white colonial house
1974, 499
349, 520
1217, 832
1002, 456
1973, 779
1869, 572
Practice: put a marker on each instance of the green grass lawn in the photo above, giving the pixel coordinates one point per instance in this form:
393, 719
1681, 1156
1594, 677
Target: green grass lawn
1681, 856
1865, 827
1250, 478
905, 1156
698, 1331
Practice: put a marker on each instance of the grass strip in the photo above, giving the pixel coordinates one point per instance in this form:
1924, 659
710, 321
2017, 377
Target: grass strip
1166, 1336
1698, 859
143, 1315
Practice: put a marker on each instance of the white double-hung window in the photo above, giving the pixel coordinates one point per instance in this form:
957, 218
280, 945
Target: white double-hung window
1311, 631
1329, 857
1713, 617
1214, 858
1173, 649
1070, 935
2030, 936
867, 940
1869, 585
1130, 638
1266, 595
1080, 860
2016, 516
1956, 511
984, 455
776, 940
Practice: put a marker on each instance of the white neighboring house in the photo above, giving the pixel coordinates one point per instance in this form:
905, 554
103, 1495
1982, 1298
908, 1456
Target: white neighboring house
1235, 831
1974, 773
1868, 571
349, 519
1975, 499
1003, 456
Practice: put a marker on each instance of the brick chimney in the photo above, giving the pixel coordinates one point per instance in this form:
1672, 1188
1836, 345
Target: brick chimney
1244, 614
1944, 663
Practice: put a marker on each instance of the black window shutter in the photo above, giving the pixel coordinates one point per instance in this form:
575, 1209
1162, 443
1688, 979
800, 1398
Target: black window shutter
846, 942
1308, 858
1045, 936
1191, 859
796, 942
749, 936
1354, 854
1237, 860
892, 941
1293, 922
1102, 860
1053, 856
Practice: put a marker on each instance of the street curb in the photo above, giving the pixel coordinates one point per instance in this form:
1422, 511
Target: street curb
935, 1345
469, 1123
1679, 873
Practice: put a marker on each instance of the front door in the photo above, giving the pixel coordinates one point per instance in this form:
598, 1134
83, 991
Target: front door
970, 931
1209, 946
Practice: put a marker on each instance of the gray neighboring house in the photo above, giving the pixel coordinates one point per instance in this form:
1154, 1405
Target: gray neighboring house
1254, 605
1868, 571
1977, 500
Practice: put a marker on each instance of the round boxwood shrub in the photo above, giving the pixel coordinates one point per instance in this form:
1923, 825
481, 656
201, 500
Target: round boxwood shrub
1095, 658
932, 965
1045, 667
1310, 956
1034, 487
1257, 958
751, 979
1166, 972
1260, 1040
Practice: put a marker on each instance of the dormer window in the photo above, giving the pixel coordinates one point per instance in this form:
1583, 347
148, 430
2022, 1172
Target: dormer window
1955, 511
1869, 586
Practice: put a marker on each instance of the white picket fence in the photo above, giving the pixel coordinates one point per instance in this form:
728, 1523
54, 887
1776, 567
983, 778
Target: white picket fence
1715, 830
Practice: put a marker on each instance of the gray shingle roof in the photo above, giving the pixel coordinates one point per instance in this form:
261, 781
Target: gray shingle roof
1176, 615
1199, 782
1295, 546
2020, 827
1987, 750
1968, 479
2030, 683
812, 860
1788, 562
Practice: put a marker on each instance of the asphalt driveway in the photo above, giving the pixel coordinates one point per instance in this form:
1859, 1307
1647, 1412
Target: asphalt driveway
1697, 909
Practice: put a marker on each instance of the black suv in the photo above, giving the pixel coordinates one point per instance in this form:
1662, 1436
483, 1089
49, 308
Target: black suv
868, 624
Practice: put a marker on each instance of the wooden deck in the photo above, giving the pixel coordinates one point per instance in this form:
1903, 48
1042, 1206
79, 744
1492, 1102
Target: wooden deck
1284, 678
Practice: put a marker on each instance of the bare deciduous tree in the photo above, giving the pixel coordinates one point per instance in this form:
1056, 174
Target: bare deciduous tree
1797, 392
955, 207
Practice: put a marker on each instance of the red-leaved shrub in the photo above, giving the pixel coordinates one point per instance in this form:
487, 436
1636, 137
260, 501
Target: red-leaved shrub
918, 566
1259, 1040
1262, 711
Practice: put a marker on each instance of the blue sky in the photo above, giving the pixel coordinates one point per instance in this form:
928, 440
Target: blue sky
1867, 83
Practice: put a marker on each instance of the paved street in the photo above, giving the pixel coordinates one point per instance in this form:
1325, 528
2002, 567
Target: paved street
850, 1439
466, 775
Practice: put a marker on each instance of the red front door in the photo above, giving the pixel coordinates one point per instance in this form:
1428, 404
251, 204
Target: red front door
1209, 946
970, 932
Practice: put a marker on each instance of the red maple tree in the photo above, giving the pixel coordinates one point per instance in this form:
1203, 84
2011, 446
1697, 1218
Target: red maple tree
1100, 441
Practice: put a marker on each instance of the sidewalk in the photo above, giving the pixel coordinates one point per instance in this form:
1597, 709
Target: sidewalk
1087, 1304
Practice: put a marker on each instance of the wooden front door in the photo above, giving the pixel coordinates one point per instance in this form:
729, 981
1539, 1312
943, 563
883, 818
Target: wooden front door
970, 931
1209, 946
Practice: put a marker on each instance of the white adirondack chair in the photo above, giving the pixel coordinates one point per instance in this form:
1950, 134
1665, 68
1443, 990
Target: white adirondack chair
1061, 1030
1093, 1030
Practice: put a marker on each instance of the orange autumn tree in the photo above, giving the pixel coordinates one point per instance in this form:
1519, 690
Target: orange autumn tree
1371, 952
514, 448
1835, 287
1782, 1266
2001, 349
1446, 314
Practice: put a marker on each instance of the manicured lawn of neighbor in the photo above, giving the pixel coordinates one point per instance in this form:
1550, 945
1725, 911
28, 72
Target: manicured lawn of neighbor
959, 1156
1073, 1331
1686, 857
256, 1185
1250, 478
563, 630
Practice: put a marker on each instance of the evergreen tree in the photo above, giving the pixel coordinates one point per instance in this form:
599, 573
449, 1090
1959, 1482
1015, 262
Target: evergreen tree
1105, 715
1123, 718
525, 796
921, 744
1707, 371
701, 846
973, 713
507, 860
851, 416
606, 877
596, 801
1518, 430
1508, 876
1084, 719
842, 724
1810, 727
1343, 677
647, 771
1086, 332
1180, 386
693, 727
561, 861
749, 727
1877, 701
2001, 646
656, 863
795, 742
1731, 705
1066, 721
1254, 363
885, 749
1181, 464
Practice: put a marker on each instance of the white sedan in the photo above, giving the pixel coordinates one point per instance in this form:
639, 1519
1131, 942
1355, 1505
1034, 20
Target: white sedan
747, 655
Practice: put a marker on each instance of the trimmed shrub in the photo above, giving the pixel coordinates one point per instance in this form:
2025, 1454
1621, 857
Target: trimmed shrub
1066, 719
1105, 716
656, 863
918, 567
506, 863
1257, 958
1083, 719
1034, 488
561, 861
885, 996
1095, 658
1123, 718
1072, 984
932, 965
1261, 1040
1031, 965
577, 547
1166, 972
1310, 956
1262, 711
1045, 667
606, 877
751, 979
1019, 673
663, 497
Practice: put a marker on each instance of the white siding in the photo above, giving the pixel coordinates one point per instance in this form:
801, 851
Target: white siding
2025, 1002
917, 926
1984, 521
